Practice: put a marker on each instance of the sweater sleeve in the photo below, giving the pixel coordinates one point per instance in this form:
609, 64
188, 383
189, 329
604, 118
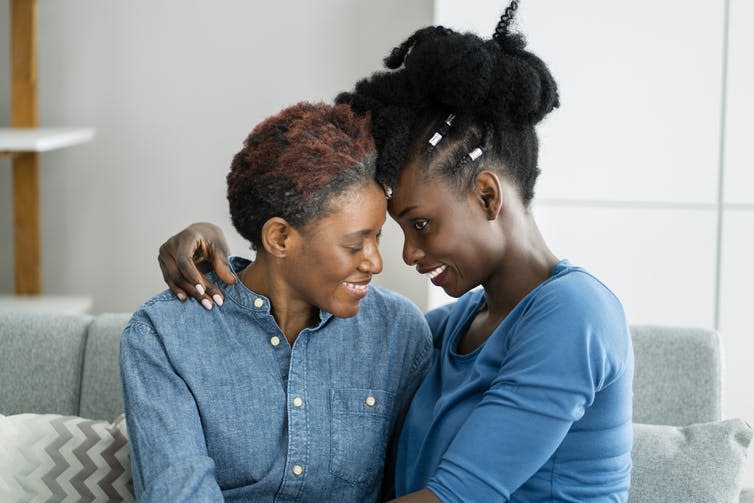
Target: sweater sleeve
557, 358
169, 457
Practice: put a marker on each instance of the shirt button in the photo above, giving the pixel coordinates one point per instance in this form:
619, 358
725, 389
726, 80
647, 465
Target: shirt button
274, 340
298, 470
258, 302
298, 401
370, 401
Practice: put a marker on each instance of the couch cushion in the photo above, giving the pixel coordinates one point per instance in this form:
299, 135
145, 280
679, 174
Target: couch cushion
100, 384
40, 362
48, 457
677, 375
698, 463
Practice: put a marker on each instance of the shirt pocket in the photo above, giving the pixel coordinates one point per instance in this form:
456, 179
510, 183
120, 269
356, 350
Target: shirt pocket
359, 432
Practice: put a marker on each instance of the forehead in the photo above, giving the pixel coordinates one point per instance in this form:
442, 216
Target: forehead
416, 188
361, 207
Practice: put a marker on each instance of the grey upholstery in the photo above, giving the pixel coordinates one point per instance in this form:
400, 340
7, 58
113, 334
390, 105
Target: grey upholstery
40, 362
62, 364
100, 380
677, 379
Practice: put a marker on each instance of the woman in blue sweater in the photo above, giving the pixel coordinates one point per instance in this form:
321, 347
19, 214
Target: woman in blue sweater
529, 395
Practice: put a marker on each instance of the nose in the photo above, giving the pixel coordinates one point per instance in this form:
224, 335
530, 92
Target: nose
411, 253
372, 262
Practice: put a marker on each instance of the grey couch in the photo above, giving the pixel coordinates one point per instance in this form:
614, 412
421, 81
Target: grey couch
68, 364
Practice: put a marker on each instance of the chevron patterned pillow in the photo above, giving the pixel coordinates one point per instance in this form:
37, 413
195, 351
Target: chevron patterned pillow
48, 457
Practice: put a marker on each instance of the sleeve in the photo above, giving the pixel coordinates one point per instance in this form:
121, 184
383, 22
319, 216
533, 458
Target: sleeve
169, 459
550, 373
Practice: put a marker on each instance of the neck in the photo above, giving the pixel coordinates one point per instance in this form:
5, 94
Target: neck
290, 312
525, 264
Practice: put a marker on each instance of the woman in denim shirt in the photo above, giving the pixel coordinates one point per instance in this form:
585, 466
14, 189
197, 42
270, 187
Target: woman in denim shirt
291, 391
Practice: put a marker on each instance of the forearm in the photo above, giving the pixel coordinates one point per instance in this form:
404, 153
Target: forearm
423, 496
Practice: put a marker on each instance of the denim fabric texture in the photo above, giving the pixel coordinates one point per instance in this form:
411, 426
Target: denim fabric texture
221, 408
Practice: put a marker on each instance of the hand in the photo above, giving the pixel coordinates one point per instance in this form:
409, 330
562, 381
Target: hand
198, 247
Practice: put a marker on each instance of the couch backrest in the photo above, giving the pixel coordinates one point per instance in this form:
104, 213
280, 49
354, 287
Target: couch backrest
677, 380
61, 364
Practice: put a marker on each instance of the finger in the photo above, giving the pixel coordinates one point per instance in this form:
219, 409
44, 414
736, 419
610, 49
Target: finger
222, 267
179, 292
203, 299
214, 293
190, 274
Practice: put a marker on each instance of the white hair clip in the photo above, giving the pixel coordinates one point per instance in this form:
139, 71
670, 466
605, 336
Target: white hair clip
475, 154
388, 191
443, 130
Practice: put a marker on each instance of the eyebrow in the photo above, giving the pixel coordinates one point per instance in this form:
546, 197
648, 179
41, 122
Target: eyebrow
406, 210
363, 232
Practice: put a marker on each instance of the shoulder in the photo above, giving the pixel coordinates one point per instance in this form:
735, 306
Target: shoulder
576, 294
383, 302
577, 316
161, 309
398, 315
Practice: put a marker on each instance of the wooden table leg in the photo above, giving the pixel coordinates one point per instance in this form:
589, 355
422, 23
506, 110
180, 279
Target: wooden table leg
24, 113
26, 223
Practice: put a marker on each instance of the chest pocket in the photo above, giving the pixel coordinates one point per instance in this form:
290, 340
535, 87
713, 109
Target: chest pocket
359, 433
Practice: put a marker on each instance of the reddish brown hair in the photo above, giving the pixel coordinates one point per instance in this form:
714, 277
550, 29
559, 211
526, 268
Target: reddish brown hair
295, 162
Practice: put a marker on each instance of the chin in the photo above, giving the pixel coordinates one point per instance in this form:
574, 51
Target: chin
344, 310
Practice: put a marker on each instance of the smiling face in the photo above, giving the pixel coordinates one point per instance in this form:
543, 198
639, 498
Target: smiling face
331, 260
447, 235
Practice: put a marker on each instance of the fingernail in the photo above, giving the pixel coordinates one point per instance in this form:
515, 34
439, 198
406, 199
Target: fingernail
206, 303
199, 288
182, 296
218, 300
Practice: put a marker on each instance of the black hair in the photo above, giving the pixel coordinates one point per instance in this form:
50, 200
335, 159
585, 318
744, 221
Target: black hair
496, 90
294, 163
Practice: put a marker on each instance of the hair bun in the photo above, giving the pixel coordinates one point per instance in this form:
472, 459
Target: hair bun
523, 90
454, 71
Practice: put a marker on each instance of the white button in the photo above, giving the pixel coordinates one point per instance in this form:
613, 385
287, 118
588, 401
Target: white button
258, 302
274, 340
298, 401
298, 470
370, 401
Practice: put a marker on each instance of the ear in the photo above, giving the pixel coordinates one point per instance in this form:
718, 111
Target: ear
489, 193
277, 236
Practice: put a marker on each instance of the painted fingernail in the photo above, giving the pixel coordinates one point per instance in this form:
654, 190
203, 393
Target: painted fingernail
218, 300
199, 288
206, 303
182, 296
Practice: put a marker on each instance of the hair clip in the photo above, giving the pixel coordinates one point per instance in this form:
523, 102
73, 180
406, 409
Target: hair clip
443, 130
475, 154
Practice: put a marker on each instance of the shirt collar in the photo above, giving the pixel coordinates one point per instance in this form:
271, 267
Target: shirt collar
249, 299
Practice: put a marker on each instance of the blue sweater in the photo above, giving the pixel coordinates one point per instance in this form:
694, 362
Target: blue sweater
540, 412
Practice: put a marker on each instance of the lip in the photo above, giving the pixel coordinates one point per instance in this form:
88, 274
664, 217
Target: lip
438, 279
357, 289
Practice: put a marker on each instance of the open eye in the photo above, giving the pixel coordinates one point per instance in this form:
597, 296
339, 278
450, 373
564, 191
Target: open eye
420, 223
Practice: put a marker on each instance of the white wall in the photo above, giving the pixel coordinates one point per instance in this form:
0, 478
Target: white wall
636, 184
172, 88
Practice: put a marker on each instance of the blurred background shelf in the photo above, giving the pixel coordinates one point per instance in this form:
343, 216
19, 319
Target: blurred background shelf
42, 139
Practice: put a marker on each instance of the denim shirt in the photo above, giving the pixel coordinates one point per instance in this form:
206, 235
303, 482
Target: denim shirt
220, 407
